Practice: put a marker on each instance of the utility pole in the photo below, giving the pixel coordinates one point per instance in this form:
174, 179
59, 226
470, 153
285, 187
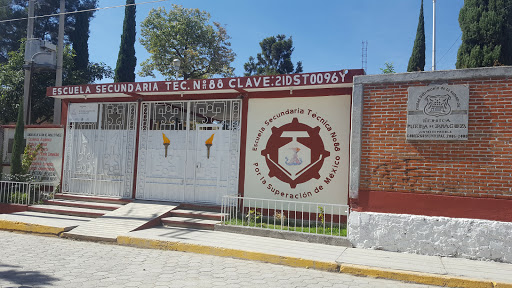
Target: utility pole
28, 66
434, 38
60, 56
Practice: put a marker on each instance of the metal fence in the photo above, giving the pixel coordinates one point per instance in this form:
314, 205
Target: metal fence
26, 193
304, 217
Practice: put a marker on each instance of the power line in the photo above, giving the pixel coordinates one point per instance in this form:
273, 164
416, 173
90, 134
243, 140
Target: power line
81, 11
449, 48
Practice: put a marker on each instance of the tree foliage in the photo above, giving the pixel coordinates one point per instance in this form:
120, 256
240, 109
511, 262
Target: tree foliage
80, 40
126, 60
275, 58
11, 33
29, 155
389, 68
417, 60
12, 79
17, 147
77, 68
185, 34
486, 33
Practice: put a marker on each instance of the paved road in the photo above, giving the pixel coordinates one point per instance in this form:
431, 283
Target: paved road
39, 261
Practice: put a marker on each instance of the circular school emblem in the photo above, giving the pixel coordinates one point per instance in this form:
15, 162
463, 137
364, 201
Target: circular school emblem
295, 153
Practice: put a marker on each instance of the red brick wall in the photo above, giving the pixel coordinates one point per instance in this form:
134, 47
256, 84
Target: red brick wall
478, 167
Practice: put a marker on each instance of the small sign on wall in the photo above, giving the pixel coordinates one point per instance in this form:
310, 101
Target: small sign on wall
48, 163
47, 166
438, 112
83, 112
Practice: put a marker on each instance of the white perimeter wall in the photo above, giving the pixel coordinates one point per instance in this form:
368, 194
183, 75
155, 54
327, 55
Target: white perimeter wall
441, 236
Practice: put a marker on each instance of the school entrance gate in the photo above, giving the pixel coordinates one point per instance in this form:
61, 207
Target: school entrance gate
277, 137
189, 151
99, 149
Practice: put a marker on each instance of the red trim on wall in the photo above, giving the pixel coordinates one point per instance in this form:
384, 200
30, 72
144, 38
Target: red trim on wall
173, 97
210, 86
243, 145
64, 112
12, 208
136, 155
63, 119
433, 205
302, 93
13, 126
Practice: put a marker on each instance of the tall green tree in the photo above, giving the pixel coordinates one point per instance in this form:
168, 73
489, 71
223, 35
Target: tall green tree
486, 33
417, 60
80, 40
17, 148
275, 58
188, 35
126, 60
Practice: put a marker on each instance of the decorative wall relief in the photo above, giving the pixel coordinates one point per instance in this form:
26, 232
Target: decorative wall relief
167, 142
209, 144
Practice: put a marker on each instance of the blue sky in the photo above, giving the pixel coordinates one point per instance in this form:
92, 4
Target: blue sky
327, 34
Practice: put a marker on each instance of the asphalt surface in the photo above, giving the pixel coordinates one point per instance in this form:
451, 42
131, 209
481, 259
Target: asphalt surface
40, 261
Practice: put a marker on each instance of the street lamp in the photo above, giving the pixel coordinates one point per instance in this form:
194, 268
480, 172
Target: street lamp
176, 63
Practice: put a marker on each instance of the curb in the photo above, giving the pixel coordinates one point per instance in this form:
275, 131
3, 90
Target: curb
286, 235
357, 270
31, 228
420, 278
226, 252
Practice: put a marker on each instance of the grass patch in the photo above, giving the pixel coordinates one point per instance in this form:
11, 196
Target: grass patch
311, 227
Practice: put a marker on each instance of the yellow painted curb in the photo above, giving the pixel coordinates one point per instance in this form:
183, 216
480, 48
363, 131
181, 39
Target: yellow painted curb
224, 252
421, 278
32, 228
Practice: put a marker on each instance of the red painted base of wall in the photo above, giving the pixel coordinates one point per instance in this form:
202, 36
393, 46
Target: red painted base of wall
433, 205
12, 208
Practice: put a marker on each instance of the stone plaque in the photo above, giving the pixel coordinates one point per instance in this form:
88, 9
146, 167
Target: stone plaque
438, 112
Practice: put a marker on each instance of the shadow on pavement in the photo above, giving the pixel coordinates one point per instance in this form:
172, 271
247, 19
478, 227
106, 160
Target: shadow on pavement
17, 276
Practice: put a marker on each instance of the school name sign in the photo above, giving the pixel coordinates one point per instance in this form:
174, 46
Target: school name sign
196, 85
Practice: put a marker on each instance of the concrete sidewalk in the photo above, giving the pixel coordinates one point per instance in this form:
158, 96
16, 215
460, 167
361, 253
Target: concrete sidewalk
441, 271
432, 270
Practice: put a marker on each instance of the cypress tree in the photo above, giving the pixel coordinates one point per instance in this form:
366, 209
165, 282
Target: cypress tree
80, 39
126, 60
486, 33
417, 60
17, 148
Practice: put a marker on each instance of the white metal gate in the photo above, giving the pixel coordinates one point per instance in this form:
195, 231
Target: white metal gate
99, 150
189, 151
